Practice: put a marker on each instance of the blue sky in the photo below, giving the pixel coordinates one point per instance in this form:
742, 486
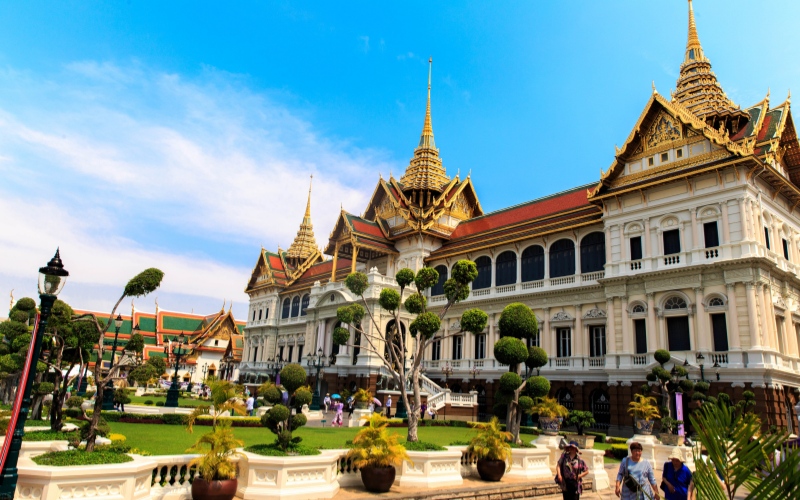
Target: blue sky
182, 135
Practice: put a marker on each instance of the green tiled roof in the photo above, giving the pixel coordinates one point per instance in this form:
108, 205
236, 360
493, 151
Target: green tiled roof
240, 328
157, 354
147, 324
185, 324
150, 340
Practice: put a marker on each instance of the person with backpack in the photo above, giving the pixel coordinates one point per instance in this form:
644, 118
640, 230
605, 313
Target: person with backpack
635, 478
570, 472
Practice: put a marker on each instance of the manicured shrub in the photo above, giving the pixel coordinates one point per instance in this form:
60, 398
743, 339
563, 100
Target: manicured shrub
293, 376
415, 303
427, 323
426, 278
474, 321
465, 271
389, 299
404, 277
356, 283
510, 381
74, 402
510, 351
517, 320
148, 402
455, 291
662, 356
538, 387
618, 451
340, 335
80, 457
537, 357
159, 403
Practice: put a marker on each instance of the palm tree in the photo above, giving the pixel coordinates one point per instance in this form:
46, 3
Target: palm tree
223, 400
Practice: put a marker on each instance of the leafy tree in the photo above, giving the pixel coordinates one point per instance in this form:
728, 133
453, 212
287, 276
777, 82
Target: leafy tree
279, 418
391, 346
140, 285
669, 382
223, 400
136, 344
158, 363
144, 374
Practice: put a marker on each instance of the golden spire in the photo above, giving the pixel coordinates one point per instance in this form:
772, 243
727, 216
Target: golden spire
694, 51
304, 244
425, 171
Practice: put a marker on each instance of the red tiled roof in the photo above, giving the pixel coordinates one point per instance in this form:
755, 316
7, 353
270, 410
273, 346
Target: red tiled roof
275, 262
363, 227
521, 213
326, 267
762, 134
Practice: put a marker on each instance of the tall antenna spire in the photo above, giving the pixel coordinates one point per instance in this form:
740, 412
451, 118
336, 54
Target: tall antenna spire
426, 141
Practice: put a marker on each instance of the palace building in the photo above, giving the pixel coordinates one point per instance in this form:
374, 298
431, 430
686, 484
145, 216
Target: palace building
689, 241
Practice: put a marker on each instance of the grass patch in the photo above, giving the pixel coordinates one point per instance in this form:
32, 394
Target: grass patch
423, 446
272, 450
80, 457
184, 402
50, 436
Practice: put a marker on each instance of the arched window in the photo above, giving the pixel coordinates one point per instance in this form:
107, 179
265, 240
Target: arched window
533, 263
304, 304
506, 269
295, 307
716, 302
675, 302
638, 308
593, 252
677, 326
562, 258
287, 303
438, 288
564, 397
484, 279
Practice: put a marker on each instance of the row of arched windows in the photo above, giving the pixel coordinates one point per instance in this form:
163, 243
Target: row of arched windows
295, 307
532, 263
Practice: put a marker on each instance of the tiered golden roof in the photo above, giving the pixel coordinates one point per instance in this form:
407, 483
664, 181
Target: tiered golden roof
304, 244
425, 171
699, 91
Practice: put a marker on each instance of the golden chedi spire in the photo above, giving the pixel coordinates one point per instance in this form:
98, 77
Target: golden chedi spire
304, 244
425, 173
699, 91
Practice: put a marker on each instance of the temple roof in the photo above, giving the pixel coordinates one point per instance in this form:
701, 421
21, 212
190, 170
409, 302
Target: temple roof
304, 244
320, 272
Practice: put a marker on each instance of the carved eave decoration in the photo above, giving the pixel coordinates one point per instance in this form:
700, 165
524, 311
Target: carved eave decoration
344, 238
664, 125
315, 257
261, 277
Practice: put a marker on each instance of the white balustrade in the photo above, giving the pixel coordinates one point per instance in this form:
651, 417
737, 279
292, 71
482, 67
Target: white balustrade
506, 289
597, 362
531, 285
481, 292
640, 359
172, 476
567, 280
587, 277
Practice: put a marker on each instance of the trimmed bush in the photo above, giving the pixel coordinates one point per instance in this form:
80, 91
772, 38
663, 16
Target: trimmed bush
465, 271
293, 377
404, 277
537, 357
416, 303
426, 278
538, 387
340, 335
662, 356
510, 351
618, 451
427, 324
474, 321
159, 403
80, 457
272, 450
74, 402
518, 320
356, 283
510, 381
148, 402
423, 446
389, 299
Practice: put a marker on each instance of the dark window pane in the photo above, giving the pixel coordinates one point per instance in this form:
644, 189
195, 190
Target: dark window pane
766, 237
484, 279
506, 269
593, 253
672, 242
564, 340
597, 341
678, 333
533, 263
641, 336
304, 304
295, 307
438, 288
286, 305
636, 248
562, 259
711, 234
785, 249
720, 332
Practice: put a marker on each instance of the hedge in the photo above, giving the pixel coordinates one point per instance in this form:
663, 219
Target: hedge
599, 436
618, 451
175, 419
80, 457
616, 440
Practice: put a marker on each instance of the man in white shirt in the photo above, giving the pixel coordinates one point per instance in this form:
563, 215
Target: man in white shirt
389, 406
249, 404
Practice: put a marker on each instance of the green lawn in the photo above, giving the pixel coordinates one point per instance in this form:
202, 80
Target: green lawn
139, 400
161, 439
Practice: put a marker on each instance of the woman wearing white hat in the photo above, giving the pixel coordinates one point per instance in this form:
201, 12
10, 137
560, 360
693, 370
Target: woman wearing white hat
676, 477
570, 471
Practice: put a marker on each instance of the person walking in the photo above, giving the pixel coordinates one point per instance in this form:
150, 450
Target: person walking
676, 478
570, 471
389, 406
422, 409
327, 402
249, 404
432, 412
635, 478
338, 406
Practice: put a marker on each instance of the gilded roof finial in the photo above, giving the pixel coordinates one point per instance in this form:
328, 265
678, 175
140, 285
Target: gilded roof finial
427, 128
11, 304
223, 304
654, 87
304, 244
308, 203
694, 51
789, 96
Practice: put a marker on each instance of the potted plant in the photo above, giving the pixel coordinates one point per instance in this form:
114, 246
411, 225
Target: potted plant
375, 453
551, 414
645, 412
362, 397
492, 449
668, 436
581, 420
216, 471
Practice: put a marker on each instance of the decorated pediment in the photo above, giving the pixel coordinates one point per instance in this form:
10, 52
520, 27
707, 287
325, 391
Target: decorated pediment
664, 129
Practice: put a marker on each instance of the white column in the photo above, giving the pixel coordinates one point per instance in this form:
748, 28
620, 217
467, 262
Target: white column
769, 318
734, 342
726, 230
695, 238
607, 232
627, 341
744, 220
700, 326
752, 301
612, 327
579, 341
788, 330
647, 238
653, 341
547, 334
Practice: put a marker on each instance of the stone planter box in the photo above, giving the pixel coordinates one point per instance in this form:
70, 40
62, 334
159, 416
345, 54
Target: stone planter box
672, 439
658, 454
128, 481
584, 442
431, 469
302, 477
530, 463
35, 448
597, 470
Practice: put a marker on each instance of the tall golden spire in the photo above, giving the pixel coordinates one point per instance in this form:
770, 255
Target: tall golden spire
304, 244
699, 91
425, 171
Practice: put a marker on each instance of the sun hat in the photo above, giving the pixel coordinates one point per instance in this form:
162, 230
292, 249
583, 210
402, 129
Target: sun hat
676, 453
574, 444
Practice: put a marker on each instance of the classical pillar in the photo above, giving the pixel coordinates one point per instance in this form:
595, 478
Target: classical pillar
547, 334
768, 317
653, 341
335, 260
355, 259
734, 342
790, 339
700, 328
647, 238
695, 238
752, 304
607, 233
744, 222
579, 341
627, 341
726, 231
612, 327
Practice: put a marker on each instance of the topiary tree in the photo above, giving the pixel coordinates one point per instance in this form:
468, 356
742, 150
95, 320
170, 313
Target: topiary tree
391, 346
140, 285
669, 382
279, 418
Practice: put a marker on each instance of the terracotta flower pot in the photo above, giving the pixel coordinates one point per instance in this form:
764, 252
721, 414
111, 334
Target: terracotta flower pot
491, 470
214, 490
378, 479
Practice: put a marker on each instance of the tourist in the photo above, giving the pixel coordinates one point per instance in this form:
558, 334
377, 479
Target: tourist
327, 401
422, 409
432, 412
635, 478
351, 404
249, 404
676, 478
389, 406
570, 472
337, 420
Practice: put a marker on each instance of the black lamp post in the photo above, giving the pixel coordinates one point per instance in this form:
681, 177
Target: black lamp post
475, 371
401, 405
108, 393
174, 389
716, 369
52, 278
700, 361
316, 361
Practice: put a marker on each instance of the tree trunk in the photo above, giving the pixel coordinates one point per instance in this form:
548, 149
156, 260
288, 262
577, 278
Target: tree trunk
98, 407
413, 413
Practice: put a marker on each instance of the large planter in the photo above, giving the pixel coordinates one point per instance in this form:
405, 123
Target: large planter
672, 439
300, 477
431, 469
362, 405
491, 470
549, 426
584, 442
532, 464
378, 479
214, 490
644, 427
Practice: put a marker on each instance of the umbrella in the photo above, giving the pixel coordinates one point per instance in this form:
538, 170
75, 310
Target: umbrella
336, 396
377, 401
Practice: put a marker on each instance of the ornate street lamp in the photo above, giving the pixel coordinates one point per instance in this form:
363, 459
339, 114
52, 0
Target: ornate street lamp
108, 393
52, 279
447, 370
716, 368
177, 352
700, 361
316, 361
475, 371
